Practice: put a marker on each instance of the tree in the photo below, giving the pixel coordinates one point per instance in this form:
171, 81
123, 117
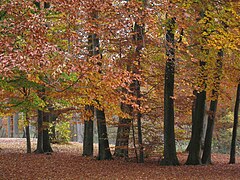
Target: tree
235, 124
170, 157
194, 156
206, 157
88, 133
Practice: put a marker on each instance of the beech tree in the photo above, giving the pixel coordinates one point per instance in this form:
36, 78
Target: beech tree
106, 58
235, 125
170, 157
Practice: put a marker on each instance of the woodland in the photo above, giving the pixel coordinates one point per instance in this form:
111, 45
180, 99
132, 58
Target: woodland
165, 73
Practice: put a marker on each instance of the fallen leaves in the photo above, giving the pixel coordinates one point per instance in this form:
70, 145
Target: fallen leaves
67, 163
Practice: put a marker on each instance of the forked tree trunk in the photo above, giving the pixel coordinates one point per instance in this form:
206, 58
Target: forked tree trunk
206, 158
235, 125
170, 155
104, 152
194, 156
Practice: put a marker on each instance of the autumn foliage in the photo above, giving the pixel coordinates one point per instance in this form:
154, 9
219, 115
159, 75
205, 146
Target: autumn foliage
74, 54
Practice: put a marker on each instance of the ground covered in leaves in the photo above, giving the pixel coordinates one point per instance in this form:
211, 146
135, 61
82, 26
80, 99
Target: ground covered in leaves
67, 163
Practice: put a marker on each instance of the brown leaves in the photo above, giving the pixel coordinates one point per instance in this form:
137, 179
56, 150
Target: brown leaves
67, 163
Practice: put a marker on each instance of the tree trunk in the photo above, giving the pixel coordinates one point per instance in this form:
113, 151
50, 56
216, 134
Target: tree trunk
139, 124
88, 138
46, 139
40, 133
235, 125
139, 41
206, 158
121, 147
52, 120
193, 115
15, 125
194, 156
103, 144
28, 134
88, 134
170, 155
9, 126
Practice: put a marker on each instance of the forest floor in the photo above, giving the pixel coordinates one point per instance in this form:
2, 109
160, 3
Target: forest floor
67, 163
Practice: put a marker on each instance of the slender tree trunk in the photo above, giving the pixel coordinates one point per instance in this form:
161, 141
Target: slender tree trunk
139, 124
170, 155
134, 141
15, 125
28, 134
194, 156
235, 125
88, 134
9, 126
40, 133
1, 128
138, 38
103, 144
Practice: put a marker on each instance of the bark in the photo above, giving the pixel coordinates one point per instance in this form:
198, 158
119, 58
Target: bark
15, 125
194, 156
121, 147
28, 134
40, 133
53, 119
193, 115
93, 49
170, 155
1, 128
12, 126
206, 158
139, 41
9, 126
104, 152
139, 125
46, 138
235, 125
88, 134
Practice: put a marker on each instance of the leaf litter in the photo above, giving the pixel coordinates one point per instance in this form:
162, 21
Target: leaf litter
67, 162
